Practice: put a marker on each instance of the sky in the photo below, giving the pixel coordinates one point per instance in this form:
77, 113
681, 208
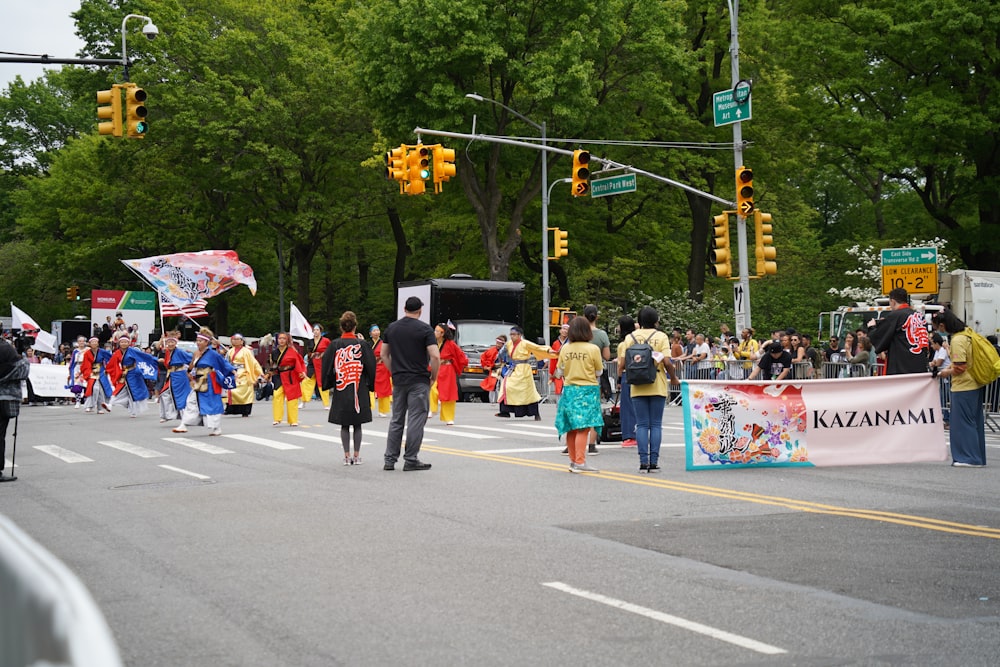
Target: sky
35, 28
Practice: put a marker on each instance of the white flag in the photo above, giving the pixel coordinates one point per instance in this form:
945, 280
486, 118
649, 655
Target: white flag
298, 325
21, 320
45, 342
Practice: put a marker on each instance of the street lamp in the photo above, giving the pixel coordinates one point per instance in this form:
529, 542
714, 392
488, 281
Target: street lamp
545, 208
149, 30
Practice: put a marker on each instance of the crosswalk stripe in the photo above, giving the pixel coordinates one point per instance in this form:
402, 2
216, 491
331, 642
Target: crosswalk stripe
273, 444
185, 472
385, 434
200, 446
464, 434
8, 464
129, 448
63, 454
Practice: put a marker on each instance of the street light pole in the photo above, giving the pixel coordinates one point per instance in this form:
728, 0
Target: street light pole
545, 209
150, 30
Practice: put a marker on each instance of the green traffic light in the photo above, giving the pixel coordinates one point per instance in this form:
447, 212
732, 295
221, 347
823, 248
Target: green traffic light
424, 173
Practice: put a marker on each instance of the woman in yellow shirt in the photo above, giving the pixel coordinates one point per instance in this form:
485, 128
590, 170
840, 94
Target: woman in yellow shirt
579, 408
648, 400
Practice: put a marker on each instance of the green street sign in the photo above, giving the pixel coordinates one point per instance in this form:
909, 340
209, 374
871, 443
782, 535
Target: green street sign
616, 185
898, 256
727, 110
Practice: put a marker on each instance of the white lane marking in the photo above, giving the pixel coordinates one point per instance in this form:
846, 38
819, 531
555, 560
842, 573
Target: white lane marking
460, 433
385, 434
63, 454
185, 472
273, 444
129, 448
8, 464
200, 446
320, 436
683, 623
507, 431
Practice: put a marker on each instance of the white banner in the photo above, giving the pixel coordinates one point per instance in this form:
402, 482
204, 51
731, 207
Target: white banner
48, 380
849, 421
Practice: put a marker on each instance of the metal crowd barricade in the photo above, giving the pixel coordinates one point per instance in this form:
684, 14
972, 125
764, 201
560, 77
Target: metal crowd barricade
802, 370
541, 371
842, 369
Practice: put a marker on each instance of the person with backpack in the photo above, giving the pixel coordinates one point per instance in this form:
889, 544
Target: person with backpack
643, 356
968, 421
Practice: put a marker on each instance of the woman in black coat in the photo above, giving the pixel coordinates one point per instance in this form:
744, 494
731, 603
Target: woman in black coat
348, 373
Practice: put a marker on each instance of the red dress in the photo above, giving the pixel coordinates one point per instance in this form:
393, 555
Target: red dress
553, 365
383, 378
317, 359
291, 368
453, 362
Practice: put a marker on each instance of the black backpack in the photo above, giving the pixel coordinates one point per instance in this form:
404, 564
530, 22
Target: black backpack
640, 367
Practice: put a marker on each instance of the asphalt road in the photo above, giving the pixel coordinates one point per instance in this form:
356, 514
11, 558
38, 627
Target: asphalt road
260, 548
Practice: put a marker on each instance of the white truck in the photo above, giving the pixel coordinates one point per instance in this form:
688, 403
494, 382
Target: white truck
974, 296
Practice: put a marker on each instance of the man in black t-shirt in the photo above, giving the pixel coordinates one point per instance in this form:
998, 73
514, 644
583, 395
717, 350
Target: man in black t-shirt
774, 365
410, 352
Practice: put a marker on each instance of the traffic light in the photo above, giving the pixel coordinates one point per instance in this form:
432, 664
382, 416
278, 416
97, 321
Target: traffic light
109, 110
744, 191
766, 253
72, 293
560, 248
135, 112
444, 166
581, 173
395, 165
417, 170
721, 257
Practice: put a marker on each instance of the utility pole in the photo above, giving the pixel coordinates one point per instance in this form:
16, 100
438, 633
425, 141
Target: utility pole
741, 291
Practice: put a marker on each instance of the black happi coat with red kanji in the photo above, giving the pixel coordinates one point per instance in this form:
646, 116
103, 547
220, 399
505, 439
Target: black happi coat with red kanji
349, 374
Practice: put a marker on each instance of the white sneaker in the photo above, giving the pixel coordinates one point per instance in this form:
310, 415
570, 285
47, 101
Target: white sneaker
215, 431
449, 423
959, 464
383, 415
574, 467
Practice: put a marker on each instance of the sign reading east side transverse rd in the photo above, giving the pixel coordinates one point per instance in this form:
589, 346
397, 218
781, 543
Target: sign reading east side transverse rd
913, 269
616, 185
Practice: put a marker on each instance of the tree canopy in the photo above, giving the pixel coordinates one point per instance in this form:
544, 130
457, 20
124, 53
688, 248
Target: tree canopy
874, 123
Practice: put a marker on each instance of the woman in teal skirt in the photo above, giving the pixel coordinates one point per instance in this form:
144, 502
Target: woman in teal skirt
579, 408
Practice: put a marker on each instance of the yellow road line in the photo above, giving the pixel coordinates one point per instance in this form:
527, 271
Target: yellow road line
927, 523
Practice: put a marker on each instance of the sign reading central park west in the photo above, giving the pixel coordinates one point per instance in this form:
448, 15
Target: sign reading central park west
616, 185
913, 269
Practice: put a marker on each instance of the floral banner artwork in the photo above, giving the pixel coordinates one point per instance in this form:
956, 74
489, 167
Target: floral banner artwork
850, 421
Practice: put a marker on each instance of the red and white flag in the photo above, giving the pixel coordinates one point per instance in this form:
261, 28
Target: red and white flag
193, 310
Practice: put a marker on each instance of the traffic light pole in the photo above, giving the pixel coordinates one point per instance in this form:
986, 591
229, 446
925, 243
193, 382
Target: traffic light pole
741, 292
608, 164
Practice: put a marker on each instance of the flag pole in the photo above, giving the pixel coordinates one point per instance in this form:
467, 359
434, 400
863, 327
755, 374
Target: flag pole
158, 304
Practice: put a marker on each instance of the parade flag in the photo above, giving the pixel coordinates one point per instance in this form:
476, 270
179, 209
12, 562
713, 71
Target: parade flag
196, 309
185, 277
298, 325
45, 342
21, 320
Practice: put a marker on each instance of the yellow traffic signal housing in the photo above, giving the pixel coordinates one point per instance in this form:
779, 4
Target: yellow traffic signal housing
417, 170
721, 258
581, 173
70, 294
744, 191
135, 112
109, 111
765, 251
560, 247
395, 165
444, 166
